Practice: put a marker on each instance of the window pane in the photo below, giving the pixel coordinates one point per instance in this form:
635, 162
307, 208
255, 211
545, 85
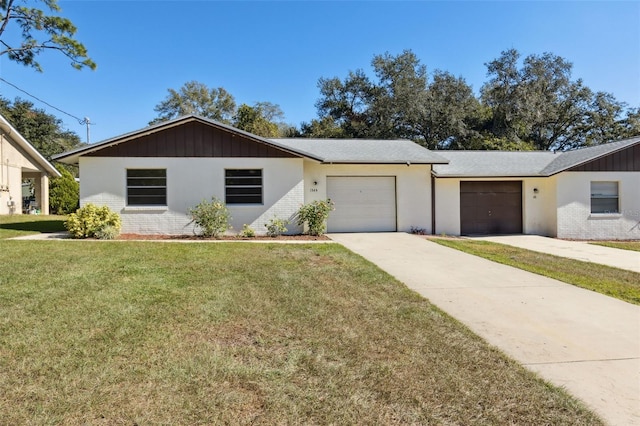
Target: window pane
243, 172
240, 191
146, 182
604, 205
147, 191
243, 181
243, 186
147, 187
146, 173
607, 189
604, 197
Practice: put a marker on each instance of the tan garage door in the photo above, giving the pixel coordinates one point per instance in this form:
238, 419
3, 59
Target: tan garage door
491, 207
363, 203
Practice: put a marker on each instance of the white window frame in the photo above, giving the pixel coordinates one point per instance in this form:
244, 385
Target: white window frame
603, 195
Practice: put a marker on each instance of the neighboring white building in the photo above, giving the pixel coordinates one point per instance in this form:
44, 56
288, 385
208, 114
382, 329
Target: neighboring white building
152, 177
20, 161
588, 193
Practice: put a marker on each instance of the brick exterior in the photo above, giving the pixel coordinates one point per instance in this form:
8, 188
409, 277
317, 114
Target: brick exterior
575, 220
189, 181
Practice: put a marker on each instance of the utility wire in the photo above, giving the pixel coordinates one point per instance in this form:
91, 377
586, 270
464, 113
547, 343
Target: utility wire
82, 121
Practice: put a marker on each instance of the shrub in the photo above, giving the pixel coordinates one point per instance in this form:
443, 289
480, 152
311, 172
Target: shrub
108, 232
64, 193
315, 215
212, 217
276, 226
89, 220
247, 231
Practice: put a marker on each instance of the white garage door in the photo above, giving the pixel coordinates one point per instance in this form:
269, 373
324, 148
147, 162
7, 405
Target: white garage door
363, 203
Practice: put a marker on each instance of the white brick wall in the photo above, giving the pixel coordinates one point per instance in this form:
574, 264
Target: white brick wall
575, 220
189, 181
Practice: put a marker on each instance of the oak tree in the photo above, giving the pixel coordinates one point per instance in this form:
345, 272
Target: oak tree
196, 98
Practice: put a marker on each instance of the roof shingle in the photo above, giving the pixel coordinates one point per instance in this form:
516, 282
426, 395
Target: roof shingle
522, 163
364, 151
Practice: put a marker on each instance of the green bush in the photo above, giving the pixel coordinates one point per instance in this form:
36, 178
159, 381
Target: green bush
212, 217
315, 215
247, 231
276, 226
108, 232
90, 220
64, 193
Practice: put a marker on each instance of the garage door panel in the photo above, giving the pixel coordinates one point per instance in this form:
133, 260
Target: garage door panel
362, 203
490, 207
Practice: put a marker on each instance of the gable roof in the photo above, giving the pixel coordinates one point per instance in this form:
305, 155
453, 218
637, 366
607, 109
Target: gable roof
523, 163
72, 157
321, 150
577, 157
29, 149
363, 151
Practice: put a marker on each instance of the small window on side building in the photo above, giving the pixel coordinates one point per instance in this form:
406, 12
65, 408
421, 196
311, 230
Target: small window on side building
604, 197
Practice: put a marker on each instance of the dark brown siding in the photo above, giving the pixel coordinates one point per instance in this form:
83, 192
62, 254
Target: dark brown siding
626, 160
491, 207
192, 139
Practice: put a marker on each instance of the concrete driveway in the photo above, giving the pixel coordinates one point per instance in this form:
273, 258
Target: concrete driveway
579, 250
577, 339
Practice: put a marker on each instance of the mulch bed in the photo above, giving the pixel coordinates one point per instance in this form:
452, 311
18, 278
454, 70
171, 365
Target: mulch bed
155, 237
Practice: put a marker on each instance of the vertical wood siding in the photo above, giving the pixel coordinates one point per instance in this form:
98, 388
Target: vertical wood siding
192, 139
626, 160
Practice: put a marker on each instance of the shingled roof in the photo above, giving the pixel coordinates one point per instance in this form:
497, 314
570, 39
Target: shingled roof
362, 151
522, 163
336, 151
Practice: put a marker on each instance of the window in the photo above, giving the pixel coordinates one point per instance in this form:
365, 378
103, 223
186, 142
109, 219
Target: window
243, 186
604, 197
147, 187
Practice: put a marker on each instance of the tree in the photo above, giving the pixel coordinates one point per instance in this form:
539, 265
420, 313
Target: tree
196, 98
43, 131
401, 103
348, 103
631, 123
399, 95
258, 119
64, 193
539, 104
38, 33
325, 127
450, 114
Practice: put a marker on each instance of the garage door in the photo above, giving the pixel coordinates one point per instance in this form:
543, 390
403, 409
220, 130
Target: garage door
363, 203
491, 207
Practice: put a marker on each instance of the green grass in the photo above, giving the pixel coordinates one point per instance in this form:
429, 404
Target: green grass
624, 245
618, 283
98, 332
26, 224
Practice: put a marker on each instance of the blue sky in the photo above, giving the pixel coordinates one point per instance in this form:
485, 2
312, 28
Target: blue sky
276, 51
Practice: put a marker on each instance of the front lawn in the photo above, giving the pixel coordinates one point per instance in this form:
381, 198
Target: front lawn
618, 283
96, 332
27, 224
624, 245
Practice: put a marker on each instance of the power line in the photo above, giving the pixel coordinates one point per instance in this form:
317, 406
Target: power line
82, 121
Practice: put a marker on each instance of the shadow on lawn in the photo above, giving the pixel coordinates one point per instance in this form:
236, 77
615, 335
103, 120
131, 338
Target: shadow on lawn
42, 226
